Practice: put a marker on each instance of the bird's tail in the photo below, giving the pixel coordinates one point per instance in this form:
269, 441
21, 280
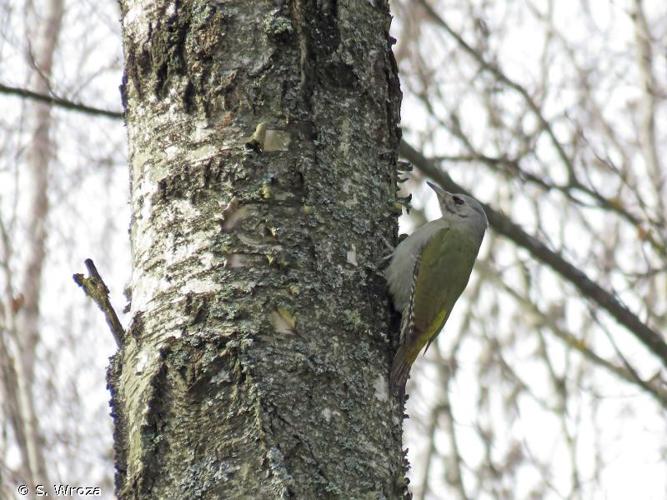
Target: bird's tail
400, 368
406, 354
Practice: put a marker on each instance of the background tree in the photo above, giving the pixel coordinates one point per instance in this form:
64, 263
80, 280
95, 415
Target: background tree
23, 273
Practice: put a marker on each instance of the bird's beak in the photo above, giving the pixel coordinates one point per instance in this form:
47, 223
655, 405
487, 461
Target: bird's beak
443, 195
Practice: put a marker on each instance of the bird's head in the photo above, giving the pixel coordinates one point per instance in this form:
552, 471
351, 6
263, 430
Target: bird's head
460, 206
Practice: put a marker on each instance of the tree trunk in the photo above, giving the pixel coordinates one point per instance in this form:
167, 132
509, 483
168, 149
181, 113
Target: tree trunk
263, 140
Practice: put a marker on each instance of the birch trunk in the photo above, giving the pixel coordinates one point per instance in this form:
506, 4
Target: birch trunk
263, 140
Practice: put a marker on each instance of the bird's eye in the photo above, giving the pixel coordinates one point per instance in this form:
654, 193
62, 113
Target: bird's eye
458, 200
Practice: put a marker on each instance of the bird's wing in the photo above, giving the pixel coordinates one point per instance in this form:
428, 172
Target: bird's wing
441, 273
444, 272
400, 272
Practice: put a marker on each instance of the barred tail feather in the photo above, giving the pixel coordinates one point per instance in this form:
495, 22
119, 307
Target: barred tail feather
406, 354
400, 369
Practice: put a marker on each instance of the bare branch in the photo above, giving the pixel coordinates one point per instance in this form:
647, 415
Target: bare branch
573, 183
647, 129
628, 374
60, 102
97, 290
503, 78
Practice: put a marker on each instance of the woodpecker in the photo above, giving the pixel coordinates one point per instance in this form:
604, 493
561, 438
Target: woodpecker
428, 272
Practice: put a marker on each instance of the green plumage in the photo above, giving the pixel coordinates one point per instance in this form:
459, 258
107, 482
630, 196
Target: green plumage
440, 277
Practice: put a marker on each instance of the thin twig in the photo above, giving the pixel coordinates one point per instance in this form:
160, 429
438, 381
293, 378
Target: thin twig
503, 78
60, 102
578, 344
97, 290
573, 183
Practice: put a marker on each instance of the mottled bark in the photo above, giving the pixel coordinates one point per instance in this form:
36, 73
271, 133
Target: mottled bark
263, 139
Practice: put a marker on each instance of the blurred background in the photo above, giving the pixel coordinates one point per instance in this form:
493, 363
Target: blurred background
552, 113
